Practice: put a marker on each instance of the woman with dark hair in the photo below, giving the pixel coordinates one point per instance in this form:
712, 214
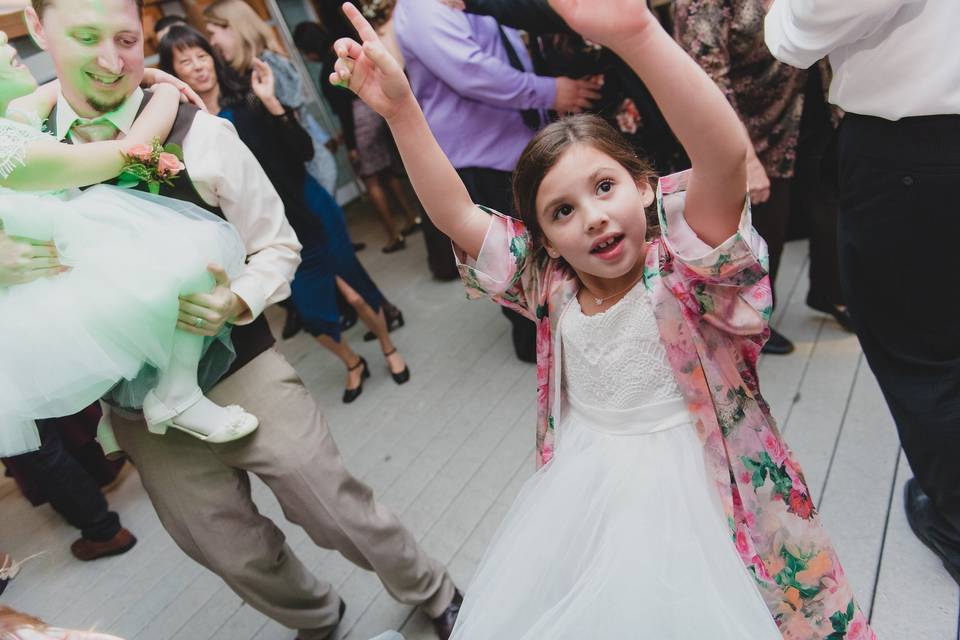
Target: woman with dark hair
369, 144
282, 147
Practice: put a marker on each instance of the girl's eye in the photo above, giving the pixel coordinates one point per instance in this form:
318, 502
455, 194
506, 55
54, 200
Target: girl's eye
605, 186
562, 211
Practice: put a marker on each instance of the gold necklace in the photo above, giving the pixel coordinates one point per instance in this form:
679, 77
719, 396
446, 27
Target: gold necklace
600, 301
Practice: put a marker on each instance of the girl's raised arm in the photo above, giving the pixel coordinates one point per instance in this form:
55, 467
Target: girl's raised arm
50, 165
372, 73
696, 109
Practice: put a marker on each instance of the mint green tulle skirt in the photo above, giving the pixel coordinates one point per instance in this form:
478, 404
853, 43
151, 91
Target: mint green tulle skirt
68, 340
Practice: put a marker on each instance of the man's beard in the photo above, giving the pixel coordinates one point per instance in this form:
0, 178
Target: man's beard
104, 106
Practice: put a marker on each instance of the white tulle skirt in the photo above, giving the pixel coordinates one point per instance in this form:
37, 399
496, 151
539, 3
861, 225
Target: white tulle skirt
67, 340
619, 536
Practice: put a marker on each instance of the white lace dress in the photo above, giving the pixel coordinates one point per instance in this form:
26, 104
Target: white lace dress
620, 535
66, 340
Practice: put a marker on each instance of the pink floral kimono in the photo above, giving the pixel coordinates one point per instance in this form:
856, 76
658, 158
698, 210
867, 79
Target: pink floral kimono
712, 307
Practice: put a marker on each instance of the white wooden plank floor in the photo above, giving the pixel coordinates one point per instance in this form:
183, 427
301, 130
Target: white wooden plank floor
450, 450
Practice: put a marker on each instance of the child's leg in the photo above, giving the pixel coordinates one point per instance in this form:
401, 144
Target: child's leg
178, 402
177, 387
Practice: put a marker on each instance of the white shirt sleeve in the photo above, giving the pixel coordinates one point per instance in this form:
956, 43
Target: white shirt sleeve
226, 174
801, 32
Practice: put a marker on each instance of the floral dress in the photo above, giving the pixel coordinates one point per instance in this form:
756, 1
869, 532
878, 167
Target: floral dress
712, 306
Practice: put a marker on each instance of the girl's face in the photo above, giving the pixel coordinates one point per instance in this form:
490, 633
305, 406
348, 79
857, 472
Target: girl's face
592, 214
194, 66
225, 40
15, 78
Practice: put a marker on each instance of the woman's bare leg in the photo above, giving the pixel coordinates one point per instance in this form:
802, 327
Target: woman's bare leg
402, 195
376, 322
347, 355
382, 206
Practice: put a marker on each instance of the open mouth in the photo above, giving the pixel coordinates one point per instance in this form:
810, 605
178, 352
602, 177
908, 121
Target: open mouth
607, 245
106, 80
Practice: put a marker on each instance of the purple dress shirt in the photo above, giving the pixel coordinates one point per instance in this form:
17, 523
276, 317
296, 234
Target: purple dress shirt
463, 80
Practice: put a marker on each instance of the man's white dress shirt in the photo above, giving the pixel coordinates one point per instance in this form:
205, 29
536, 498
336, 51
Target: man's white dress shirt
226, 175
891, 58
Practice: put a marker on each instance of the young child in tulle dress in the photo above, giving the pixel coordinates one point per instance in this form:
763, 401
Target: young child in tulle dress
666, 504
113, 263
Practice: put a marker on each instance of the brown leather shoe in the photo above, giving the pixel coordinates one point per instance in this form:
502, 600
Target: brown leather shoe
86, 550
443, 624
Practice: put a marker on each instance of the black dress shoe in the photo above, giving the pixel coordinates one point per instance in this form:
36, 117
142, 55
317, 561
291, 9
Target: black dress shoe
359, 246
842, 316
394, 321
293, 323
349, 395
777, 345
443, 624
401, 377
839, 313
922, 520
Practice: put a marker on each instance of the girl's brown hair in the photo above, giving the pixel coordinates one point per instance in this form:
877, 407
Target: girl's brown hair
255, 34
543, 152
11, 620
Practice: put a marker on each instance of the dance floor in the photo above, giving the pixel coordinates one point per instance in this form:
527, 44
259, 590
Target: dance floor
449, 450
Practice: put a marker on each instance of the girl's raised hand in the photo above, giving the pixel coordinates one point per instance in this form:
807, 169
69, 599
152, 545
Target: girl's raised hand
368, 69
609, 22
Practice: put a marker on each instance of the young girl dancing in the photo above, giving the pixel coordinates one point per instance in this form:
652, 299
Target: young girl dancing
666, 504
113, 306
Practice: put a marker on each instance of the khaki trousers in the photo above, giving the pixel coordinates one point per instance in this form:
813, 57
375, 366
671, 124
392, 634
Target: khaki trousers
202, 494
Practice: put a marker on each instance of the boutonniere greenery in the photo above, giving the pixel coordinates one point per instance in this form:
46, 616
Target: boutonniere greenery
155, 164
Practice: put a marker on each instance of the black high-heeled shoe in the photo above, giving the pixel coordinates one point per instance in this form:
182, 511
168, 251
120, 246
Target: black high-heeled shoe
412, 228
394, 321
396, 245
349, 395
403, 376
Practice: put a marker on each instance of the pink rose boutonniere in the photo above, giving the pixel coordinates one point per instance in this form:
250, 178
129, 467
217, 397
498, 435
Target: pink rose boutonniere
154, 164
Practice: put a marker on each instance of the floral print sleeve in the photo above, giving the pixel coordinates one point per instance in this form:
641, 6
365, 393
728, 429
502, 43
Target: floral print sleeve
505, 270
726, 285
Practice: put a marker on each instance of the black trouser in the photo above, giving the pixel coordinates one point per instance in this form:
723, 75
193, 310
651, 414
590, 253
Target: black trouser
899, 225
71, 491
814, 195
491, 188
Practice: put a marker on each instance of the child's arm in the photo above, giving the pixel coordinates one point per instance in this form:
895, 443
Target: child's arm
34, 107
375, 76
695, 108
51, 165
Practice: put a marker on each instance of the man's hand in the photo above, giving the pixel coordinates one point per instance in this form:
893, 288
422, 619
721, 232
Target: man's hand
204, 314
23, 260
573, 96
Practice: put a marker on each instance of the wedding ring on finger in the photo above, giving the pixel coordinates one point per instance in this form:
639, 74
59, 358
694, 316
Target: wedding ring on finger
198, 322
